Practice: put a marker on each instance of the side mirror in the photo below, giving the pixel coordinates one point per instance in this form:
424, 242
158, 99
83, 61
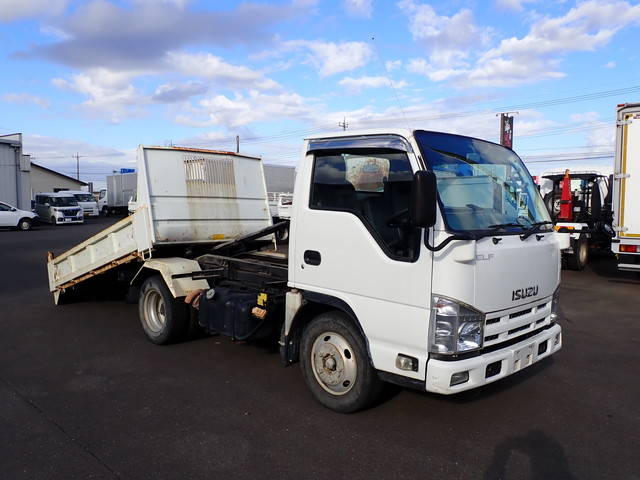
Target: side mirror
423, 200
14, 209
47, 205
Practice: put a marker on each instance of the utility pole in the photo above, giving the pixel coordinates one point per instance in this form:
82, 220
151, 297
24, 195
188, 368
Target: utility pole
344, 124
237, 143
77, 157
506, 129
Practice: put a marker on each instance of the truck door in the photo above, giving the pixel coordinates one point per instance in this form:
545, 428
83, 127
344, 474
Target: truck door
353, 242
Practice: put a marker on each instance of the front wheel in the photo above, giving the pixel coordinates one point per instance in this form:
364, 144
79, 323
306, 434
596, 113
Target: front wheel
164, 319
24, 224
336, 366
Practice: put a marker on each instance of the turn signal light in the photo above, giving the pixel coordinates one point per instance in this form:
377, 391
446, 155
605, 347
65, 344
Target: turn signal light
629, 248
558, 227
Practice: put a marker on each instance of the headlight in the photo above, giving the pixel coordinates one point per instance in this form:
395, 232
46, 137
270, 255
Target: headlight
455, 326
554, 305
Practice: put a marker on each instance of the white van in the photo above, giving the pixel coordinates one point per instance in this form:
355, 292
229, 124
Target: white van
57, 208
86, 201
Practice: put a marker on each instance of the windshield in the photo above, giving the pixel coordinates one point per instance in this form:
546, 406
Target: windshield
63, 202
481, 185
83, 197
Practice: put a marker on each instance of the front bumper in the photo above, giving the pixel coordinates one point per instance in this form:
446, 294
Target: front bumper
511, 359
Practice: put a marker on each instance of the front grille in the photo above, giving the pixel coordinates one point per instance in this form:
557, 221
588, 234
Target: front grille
71, 213
505, 325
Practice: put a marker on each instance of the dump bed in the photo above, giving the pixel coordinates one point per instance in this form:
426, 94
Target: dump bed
185, 196
626, 200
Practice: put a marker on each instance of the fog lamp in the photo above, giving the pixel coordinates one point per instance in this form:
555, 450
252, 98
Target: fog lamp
458, 378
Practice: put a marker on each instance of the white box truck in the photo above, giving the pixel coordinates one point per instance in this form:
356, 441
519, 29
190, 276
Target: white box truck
419, 258
626, 188
114, 200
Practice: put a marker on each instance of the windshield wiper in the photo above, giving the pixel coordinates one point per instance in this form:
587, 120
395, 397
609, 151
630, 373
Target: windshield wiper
534, 228
500, 226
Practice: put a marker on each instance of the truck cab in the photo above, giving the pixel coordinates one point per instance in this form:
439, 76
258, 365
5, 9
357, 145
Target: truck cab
459, 302
86, 201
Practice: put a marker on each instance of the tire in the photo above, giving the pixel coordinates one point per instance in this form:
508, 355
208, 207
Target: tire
105, 211
282, 235
24, 224
164, 319
580, 256
336, 366
53, 221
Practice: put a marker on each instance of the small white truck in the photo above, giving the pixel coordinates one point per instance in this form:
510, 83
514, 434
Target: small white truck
419, 258
626, 188
114, 200
280, 206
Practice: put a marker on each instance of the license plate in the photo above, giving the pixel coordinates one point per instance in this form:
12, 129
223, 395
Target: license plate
522, 358
67, 219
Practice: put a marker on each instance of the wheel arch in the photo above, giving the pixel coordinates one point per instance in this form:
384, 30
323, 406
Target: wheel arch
167, 268
314, 304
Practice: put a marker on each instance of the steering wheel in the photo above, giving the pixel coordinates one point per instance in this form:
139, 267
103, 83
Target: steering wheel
400, 219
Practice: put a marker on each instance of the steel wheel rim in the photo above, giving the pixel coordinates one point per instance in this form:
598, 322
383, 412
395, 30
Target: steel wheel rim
334, 363
154, 311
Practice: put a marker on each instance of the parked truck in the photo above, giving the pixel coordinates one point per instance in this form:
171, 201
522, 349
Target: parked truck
580, 202
626, 188
114, 200
418, 258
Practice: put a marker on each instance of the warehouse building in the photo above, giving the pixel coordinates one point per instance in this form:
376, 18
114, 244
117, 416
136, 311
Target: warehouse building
15, 182
46, 180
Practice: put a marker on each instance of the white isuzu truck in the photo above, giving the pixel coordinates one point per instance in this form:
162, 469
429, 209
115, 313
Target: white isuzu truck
626, 188
419, 258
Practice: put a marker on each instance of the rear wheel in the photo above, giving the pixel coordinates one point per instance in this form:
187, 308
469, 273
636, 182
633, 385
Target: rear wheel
24, 224
336, 366
580, 256
164, 319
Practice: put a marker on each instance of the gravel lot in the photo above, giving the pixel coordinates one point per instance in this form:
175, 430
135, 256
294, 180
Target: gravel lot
83, 394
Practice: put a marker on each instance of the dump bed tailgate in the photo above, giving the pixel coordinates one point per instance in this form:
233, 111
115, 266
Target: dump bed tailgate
120, 243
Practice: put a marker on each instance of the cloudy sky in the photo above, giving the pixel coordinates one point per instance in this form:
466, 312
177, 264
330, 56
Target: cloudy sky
100, 77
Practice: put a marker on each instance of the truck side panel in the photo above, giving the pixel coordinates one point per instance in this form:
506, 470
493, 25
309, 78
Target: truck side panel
630, 186
201, 196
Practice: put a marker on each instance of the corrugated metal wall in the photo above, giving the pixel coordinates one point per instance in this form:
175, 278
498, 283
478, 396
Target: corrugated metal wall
15, 182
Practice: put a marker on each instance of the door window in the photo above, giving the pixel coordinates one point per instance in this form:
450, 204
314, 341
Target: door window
4, 208
374, 186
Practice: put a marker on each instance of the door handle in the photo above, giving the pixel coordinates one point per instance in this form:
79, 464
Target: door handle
312, 257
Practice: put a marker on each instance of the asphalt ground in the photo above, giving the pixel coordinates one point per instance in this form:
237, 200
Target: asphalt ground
83, 394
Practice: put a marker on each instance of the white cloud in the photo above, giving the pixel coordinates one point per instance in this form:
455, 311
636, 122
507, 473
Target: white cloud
16, 9
244, 109
330, 58
25, 99
359, 8
356, 85
109, 94
206, 65
537, 55
391, 65
448, 39
516, 5
177, 92
610, 65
